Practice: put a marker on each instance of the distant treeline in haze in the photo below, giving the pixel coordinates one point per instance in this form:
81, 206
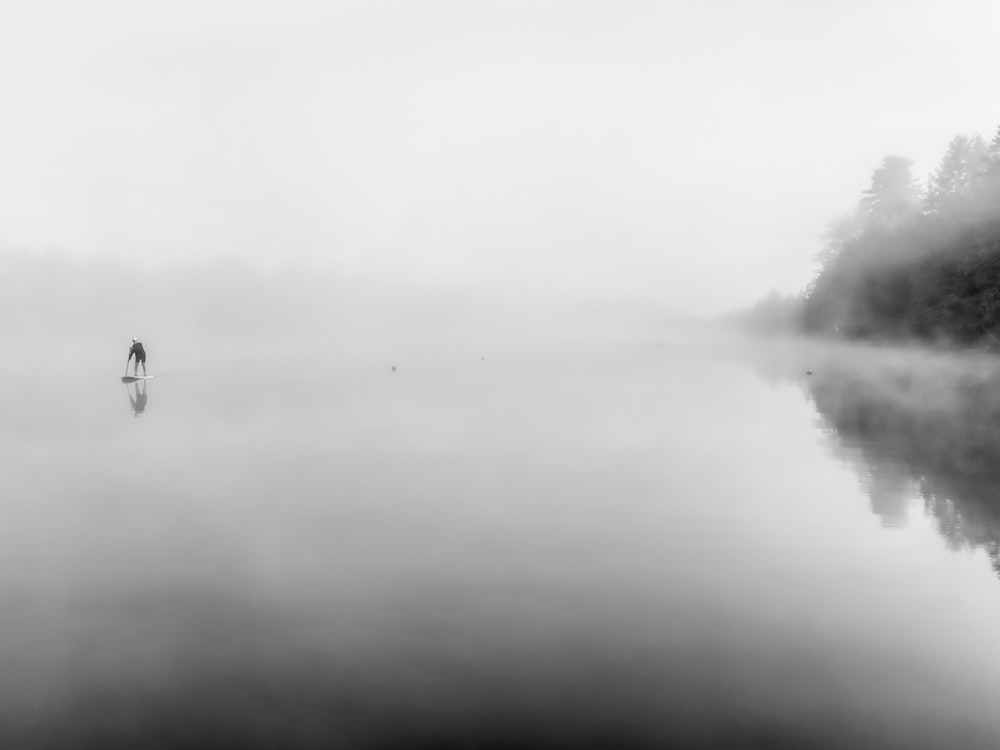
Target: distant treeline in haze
54, 294
910, 262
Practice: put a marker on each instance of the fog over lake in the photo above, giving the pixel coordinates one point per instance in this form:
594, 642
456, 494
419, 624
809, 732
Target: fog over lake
534, 531
450, 439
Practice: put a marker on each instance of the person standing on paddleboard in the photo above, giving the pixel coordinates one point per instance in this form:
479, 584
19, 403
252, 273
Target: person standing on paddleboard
140, 356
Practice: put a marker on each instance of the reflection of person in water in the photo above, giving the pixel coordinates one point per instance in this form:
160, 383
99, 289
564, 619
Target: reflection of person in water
137, 351
139, 401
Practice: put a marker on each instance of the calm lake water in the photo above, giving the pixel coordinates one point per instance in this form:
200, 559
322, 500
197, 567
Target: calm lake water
569, 543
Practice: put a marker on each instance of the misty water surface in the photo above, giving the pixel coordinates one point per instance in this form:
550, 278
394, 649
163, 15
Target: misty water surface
558, 542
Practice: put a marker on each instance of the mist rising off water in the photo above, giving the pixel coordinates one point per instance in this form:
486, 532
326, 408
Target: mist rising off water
534, 530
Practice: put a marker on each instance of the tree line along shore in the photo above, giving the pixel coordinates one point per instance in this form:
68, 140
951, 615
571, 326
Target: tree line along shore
911, 262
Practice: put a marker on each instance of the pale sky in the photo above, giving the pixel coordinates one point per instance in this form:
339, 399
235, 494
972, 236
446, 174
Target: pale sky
689, 152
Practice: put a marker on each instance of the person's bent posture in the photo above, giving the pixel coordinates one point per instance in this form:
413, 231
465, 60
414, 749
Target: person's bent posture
140, 357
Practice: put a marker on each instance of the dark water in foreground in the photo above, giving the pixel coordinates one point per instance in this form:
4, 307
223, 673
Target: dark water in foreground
611, 545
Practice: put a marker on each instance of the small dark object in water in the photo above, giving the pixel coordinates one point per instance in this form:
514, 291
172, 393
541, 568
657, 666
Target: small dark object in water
809, 372
394, 368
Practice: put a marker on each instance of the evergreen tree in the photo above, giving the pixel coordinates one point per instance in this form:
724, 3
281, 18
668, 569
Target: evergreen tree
958, 173
894, 196
837, 235
991, 161
899, 274
985, 198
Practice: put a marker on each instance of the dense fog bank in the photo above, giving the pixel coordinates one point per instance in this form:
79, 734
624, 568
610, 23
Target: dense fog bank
53, 298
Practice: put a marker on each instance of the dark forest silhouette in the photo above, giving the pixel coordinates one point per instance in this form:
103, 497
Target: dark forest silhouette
909, 262
917, 264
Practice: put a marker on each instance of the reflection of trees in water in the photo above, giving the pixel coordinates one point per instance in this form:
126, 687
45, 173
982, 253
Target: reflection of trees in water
889, 487
921, 428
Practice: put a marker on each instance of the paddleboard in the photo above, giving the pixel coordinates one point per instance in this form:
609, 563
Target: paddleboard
132, 379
